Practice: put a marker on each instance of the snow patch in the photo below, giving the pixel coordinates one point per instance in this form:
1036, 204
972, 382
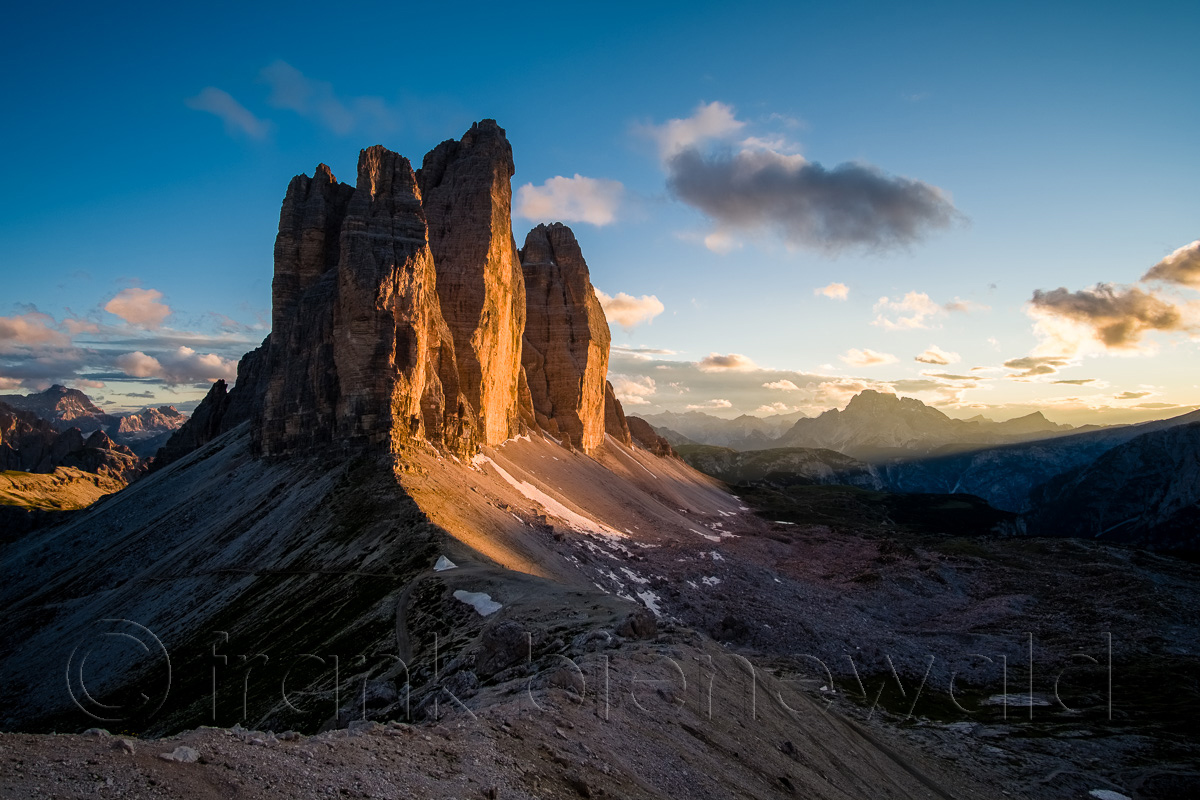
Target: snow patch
574, 519
444, 564
1107, 794
710, 581
651, 600
480, 601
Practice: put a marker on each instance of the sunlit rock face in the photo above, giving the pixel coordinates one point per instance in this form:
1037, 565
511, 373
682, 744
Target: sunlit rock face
360, 354
566, 343
467, 198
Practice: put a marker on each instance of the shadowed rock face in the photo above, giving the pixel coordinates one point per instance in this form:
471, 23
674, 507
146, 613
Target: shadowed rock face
566, 338
467, 199
615, 424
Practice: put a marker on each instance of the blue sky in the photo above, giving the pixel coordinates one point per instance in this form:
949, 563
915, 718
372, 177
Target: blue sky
149, 149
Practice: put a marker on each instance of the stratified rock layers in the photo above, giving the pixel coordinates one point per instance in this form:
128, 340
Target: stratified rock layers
566, 338
467, 198
361, 355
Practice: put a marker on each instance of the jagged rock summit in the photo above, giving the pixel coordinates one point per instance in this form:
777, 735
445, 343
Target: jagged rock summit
404, 315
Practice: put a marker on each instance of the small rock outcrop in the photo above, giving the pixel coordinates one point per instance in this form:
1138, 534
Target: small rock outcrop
221, 410
645, 436
615, 423
566, 338
467, 198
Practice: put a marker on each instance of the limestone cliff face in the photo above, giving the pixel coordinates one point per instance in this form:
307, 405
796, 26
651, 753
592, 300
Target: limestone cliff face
360, 355
398, 380
467, 199
565, 352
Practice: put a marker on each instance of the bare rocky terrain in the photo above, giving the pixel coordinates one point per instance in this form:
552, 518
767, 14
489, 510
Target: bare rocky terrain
394, 561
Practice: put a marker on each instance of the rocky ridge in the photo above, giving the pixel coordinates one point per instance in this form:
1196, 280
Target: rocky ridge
404, 315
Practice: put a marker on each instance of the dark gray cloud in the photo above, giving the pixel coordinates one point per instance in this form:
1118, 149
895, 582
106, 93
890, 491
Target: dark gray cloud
1181, 267
1032, 366
1117, 316
847, 206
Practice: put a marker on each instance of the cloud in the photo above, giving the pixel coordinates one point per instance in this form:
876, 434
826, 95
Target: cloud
914, 310
139, 365
577, 199
715, 403
867, 358
709, 121
633, 391
9, 383
183, 365
139, 307
237, 118
1115, 317
31, 332
1076, 381
733, 361
936, 355
960, 306
834, 291
293, 91
640, 353
808, 205
911, 386
1033, 366
629, 311
773, 408
782, 385
951, 377
1181, 267
77, 326
1131, 395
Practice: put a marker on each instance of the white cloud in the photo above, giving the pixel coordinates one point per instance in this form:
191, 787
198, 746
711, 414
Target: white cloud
721, 242
577, 199
183, 365
139, 307
773, 408
30, 332
867, 358
629, 311
914, 309
633, 391
714, 403
709, 121
139, 365
733, 361
936, 355
783, 385
237, 118
834, 291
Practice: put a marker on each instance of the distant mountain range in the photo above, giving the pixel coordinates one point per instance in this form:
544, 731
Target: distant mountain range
1132, 483
141, 431
1145, 491
874, 426
740, 433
